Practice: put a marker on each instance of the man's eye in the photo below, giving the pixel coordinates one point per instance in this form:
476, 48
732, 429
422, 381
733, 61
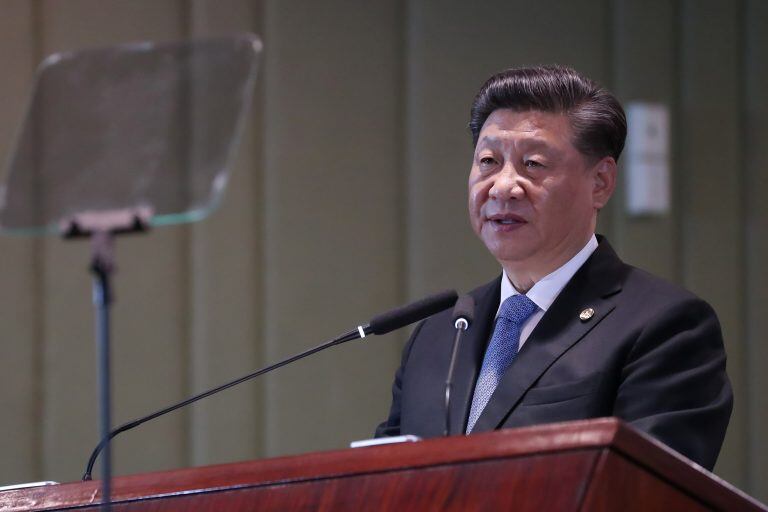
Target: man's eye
487, 160
533, 163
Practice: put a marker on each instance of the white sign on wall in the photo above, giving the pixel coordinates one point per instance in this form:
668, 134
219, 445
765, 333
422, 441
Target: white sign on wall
647, 159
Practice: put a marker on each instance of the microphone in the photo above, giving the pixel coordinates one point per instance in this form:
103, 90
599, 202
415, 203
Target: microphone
464, 312
381, 324
463, 315
410, 313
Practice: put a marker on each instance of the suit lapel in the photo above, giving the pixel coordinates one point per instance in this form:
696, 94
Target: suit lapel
593, 286
471, 350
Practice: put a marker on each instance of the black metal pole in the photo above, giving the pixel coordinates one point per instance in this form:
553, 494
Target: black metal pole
102, 267
461, 326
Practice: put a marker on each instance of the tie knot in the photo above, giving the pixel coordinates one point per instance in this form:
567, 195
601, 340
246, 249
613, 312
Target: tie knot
517, 309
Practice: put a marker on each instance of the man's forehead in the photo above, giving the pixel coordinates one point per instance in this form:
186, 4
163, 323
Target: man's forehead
528, 128
522, 140
526, 120
527, 139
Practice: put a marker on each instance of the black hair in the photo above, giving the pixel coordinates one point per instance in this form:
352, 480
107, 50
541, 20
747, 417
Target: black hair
597, 119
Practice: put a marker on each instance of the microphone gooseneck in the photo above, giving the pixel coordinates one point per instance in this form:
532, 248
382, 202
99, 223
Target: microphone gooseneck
381, 324
463, 316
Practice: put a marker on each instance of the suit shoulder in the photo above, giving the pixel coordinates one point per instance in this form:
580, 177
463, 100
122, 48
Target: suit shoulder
653, 290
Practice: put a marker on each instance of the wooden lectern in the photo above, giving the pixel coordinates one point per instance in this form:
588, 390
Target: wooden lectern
602, 465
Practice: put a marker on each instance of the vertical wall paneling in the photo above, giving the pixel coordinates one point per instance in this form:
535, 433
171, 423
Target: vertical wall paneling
755, 156
149, 330
712, 243
331, 142
19, 365
226, 277
606, 218
645, 71
453, 47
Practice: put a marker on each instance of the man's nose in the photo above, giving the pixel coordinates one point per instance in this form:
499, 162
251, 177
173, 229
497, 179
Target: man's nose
506, 184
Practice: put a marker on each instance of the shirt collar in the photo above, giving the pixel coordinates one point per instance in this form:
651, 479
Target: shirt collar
546, 290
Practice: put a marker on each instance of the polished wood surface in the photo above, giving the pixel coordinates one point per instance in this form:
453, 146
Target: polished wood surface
639, 490
586, 465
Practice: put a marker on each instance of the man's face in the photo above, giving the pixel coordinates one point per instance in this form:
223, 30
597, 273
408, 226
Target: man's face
533, 197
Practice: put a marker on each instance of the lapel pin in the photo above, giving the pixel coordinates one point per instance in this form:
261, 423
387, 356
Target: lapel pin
586, 314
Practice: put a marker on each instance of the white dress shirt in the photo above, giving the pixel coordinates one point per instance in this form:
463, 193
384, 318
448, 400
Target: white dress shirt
546, 290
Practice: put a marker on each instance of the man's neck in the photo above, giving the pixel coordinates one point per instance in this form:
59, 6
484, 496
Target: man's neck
524, 275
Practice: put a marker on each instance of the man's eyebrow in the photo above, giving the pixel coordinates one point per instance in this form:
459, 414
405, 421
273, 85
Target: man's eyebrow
488, 140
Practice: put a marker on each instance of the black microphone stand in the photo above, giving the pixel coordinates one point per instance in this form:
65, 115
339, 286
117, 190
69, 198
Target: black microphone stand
461, 326
463, 315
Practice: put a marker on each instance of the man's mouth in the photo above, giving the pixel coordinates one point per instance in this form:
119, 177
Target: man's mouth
506, 219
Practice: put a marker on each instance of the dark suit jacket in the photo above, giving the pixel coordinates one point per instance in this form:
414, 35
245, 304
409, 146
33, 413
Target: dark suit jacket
652, 354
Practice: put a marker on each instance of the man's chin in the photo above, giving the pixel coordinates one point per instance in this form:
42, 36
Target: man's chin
512, 249
516, 257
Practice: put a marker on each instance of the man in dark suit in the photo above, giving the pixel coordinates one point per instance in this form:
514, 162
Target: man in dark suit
568, 331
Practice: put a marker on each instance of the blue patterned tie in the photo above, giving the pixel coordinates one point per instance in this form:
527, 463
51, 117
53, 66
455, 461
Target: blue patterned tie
501, 351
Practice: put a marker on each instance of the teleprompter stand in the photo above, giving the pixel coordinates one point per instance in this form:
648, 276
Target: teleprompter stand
117, 140
101, 228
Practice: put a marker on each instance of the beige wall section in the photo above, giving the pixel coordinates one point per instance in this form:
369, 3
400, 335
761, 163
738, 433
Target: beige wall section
347, 198
711, 191
645, 69
226, 279
332, 206
19, 365
756, 231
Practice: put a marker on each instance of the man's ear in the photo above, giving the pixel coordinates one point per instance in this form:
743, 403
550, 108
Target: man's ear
604, 175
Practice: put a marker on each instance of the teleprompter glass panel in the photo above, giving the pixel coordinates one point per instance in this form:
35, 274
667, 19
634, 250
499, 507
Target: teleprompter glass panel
141, 126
